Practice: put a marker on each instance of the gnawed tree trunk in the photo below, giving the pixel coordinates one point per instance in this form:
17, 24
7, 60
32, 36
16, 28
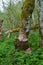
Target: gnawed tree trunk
27, 9
40, 10
21, 42
22, 35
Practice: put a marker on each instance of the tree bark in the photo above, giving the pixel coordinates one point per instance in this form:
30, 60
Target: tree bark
40, 10
28, 5
27, 9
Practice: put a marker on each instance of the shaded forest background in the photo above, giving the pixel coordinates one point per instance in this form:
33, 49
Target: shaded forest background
12, 15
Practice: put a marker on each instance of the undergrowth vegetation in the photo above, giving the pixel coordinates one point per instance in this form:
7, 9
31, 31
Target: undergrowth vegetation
11, 56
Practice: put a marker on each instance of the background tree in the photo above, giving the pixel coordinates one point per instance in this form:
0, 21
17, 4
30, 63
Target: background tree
40, 10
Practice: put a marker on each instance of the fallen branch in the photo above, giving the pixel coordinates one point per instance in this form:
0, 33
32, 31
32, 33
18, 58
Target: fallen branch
33, 27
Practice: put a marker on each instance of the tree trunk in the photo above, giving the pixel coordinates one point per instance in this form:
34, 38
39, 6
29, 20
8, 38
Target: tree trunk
40, 10
26, 16
27, 9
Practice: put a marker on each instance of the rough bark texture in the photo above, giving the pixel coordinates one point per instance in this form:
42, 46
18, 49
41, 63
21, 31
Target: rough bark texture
40, 10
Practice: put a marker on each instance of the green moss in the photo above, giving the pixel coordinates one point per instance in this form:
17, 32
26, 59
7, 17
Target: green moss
27, 9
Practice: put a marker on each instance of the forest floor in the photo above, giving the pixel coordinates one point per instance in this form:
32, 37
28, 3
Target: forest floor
11, 56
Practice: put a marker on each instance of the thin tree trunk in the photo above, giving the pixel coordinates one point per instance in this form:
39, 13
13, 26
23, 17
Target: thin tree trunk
1, 28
